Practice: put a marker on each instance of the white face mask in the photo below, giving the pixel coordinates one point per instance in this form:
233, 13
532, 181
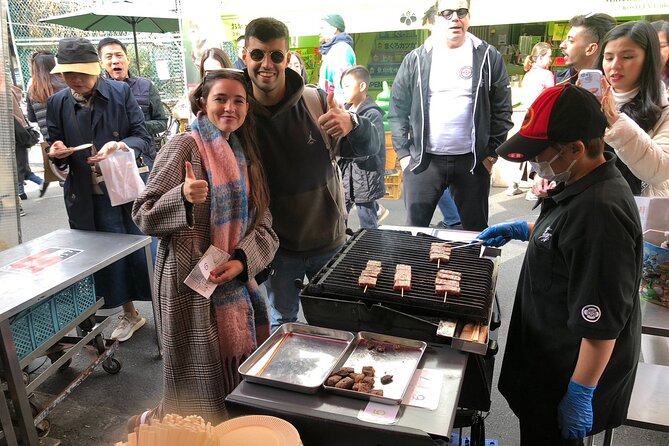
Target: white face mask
545, 171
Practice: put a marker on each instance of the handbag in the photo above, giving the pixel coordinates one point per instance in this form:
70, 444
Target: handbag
34, 135
25, 136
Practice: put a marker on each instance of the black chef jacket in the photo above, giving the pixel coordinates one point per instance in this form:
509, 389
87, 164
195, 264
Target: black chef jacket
580, 279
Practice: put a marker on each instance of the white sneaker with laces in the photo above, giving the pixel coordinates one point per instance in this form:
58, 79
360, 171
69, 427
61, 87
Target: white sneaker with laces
127, 325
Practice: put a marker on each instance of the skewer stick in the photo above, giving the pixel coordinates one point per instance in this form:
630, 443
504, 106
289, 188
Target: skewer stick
438, 262
402, 292
276, 350
365, 290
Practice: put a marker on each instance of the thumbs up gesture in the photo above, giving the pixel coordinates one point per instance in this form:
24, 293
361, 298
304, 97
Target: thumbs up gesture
194, 190
336, 122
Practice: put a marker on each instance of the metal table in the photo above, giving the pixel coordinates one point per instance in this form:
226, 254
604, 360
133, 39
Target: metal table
649, 396
654, 319
21, 290
328, 419
648, 406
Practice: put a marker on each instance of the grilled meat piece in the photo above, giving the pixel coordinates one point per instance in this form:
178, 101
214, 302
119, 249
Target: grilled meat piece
345, 371
345, 383
386, 379
332, 380
362, 387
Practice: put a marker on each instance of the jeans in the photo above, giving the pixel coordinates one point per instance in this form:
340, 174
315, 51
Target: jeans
470, 190
126, 279
367, 213
23, 171
31, 177
281, 290
449, 209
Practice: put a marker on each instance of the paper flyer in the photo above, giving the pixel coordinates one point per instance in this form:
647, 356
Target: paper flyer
379, 413
198, 279
425, 389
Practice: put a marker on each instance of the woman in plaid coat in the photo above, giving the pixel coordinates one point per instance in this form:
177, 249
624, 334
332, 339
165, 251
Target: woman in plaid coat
208, 188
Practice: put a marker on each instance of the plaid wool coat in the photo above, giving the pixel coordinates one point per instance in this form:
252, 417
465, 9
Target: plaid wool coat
193, 368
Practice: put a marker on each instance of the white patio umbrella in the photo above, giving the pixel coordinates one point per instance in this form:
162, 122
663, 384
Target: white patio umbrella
119, 17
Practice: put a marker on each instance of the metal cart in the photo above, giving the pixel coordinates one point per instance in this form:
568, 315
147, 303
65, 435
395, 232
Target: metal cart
329, 419
46, 291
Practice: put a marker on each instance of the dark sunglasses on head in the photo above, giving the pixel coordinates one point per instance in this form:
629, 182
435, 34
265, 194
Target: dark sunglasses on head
276, 56
448, 13
222, 70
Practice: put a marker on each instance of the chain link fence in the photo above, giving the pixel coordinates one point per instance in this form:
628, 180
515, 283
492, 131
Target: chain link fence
30, 35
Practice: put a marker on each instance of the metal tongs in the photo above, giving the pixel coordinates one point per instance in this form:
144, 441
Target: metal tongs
476, 242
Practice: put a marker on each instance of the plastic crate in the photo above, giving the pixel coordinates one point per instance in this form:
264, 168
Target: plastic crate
36, 325
391, 155
393, 185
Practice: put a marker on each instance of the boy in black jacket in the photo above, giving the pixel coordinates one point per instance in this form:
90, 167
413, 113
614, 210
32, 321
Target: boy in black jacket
363, 179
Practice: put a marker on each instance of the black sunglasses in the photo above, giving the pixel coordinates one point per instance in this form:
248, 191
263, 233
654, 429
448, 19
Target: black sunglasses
222, 70
448, 13
276, 56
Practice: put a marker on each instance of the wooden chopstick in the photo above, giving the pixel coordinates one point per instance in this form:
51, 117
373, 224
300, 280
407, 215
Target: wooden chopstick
276, 350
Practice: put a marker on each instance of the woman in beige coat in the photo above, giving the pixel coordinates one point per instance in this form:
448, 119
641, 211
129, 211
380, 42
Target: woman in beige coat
208, 188
636, 107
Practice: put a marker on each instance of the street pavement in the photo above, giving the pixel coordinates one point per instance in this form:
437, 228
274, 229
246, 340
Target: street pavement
97, 411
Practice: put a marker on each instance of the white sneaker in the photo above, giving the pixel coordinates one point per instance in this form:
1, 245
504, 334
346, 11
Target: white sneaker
530, 196
127, 325
382, 214
513, 190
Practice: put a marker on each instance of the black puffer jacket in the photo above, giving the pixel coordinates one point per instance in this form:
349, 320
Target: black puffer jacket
363, 179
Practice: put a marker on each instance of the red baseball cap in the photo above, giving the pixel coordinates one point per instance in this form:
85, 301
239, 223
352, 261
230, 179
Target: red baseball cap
559, 114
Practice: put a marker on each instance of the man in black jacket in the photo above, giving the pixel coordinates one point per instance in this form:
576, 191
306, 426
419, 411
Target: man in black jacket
364, 181
446, 128
114, 59
306, 196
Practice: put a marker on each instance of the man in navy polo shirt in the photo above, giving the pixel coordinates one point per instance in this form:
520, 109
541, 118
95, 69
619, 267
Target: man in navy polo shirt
574, 335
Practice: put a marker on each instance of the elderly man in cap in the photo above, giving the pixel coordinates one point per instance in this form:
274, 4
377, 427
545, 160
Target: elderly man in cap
337, 55
575, 330
105, 115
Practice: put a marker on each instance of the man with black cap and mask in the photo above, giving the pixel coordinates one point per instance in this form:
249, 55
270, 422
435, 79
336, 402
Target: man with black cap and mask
337, 52
573, 342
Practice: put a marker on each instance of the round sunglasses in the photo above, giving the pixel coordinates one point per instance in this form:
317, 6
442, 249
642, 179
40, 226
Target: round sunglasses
275, 56
448, 13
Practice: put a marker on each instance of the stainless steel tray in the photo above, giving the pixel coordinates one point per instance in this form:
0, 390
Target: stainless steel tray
400, 359
296, 357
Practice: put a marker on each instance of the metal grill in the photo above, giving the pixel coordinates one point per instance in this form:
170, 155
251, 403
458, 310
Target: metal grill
339, 279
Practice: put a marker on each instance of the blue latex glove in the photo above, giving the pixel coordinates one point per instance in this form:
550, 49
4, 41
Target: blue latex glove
575, 411
498, 235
